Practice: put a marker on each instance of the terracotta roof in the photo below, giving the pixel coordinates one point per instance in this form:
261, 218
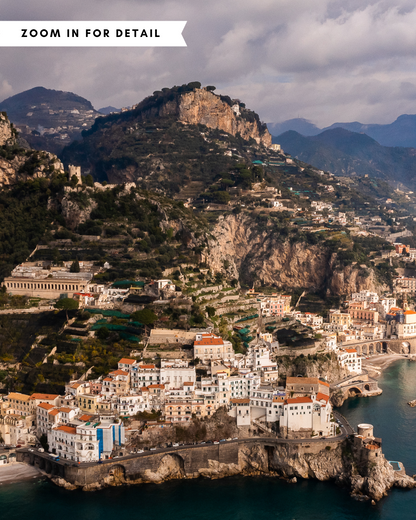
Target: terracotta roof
65, 410
296, 400
45, 406
127, 361
107, 379
144, 389
210, 341
119, 373
156, 386
67, 429
241, 401
188, 384
53, 412
350, 350
47, 397
147, 366
322, 397
324, 383
21, 397
85, 418
409, 312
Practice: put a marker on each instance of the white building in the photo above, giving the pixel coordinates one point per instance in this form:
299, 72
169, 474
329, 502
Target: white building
173, 376
87, 442
349, 358
304, 416
208, 347
365, 296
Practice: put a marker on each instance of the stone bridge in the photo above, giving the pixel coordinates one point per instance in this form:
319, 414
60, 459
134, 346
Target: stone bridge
398, 346
361, 384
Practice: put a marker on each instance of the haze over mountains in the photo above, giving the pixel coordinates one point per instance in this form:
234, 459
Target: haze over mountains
49, 119
348, 153
401, 132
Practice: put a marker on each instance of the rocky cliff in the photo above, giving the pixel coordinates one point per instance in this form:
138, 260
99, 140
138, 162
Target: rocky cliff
18, 163
262, 255
338, 461
201, 106
316, 366
7, 135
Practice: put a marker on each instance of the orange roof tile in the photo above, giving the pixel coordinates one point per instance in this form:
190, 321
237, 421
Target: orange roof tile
147, 366
322, 397
65, 410
210, 341
296, 400
188, 384
119, 373
45, 406
53, 412
127, 361
85, 418
241, 401
67, 429
156, 386
47, 397
350, 350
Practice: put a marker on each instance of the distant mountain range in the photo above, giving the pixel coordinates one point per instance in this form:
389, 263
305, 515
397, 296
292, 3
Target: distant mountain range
343, 152
49, 119
108, 110
401, 132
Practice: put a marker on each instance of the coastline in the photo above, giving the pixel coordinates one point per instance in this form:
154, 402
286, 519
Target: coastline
378, 363
18, 472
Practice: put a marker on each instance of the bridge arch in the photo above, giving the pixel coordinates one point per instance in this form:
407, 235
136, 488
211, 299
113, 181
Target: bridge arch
171, 466
358, 349
371, 348
353, 391
117, 473
379, 347
365, 349
367, 387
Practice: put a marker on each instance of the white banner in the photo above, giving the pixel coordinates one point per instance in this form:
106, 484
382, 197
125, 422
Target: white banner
92, 34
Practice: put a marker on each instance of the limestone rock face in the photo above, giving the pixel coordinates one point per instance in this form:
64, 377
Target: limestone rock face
75, 213
378, 480
260, 254
13, 167
289, 461
169, 468
6, 133
203, 107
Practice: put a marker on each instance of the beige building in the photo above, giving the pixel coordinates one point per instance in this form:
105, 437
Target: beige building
20, 404
302, 386
340, 318
208, 347
47, 285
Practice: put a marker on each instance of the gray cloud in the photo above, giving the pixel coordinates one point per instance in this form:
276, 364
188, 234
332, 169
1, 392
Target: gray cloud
327, 60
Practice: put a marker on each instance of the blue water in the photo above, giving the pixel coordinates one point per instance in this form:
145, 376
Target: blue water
247, 498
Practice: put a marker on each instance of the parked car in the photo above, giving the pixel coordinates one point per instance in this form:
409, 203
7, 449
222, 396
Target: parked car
175, 444
140, 451
152, 449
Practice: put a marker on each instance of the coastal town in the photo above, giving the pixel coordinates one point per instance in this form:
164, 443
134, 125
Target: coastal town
231, 364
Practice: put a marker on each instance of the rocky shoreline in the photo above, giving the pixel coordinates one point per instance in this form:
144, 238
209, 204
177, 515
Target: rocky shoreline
340, 462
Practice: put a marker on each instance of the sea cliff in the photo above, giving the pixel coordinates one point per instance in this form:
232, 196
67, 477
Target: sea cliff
341, 460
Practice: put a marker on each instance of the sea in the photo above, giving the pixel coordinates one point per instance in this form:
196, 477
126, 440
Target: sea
247, 498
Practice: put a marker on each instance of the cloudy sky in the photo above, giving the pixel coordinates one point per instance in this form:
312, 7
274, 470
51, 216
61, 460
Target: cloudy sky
327, 61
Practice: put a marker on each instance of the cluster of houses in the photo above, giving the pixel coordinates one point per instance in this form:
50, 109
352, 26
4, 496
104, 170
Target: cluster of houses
86, 423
